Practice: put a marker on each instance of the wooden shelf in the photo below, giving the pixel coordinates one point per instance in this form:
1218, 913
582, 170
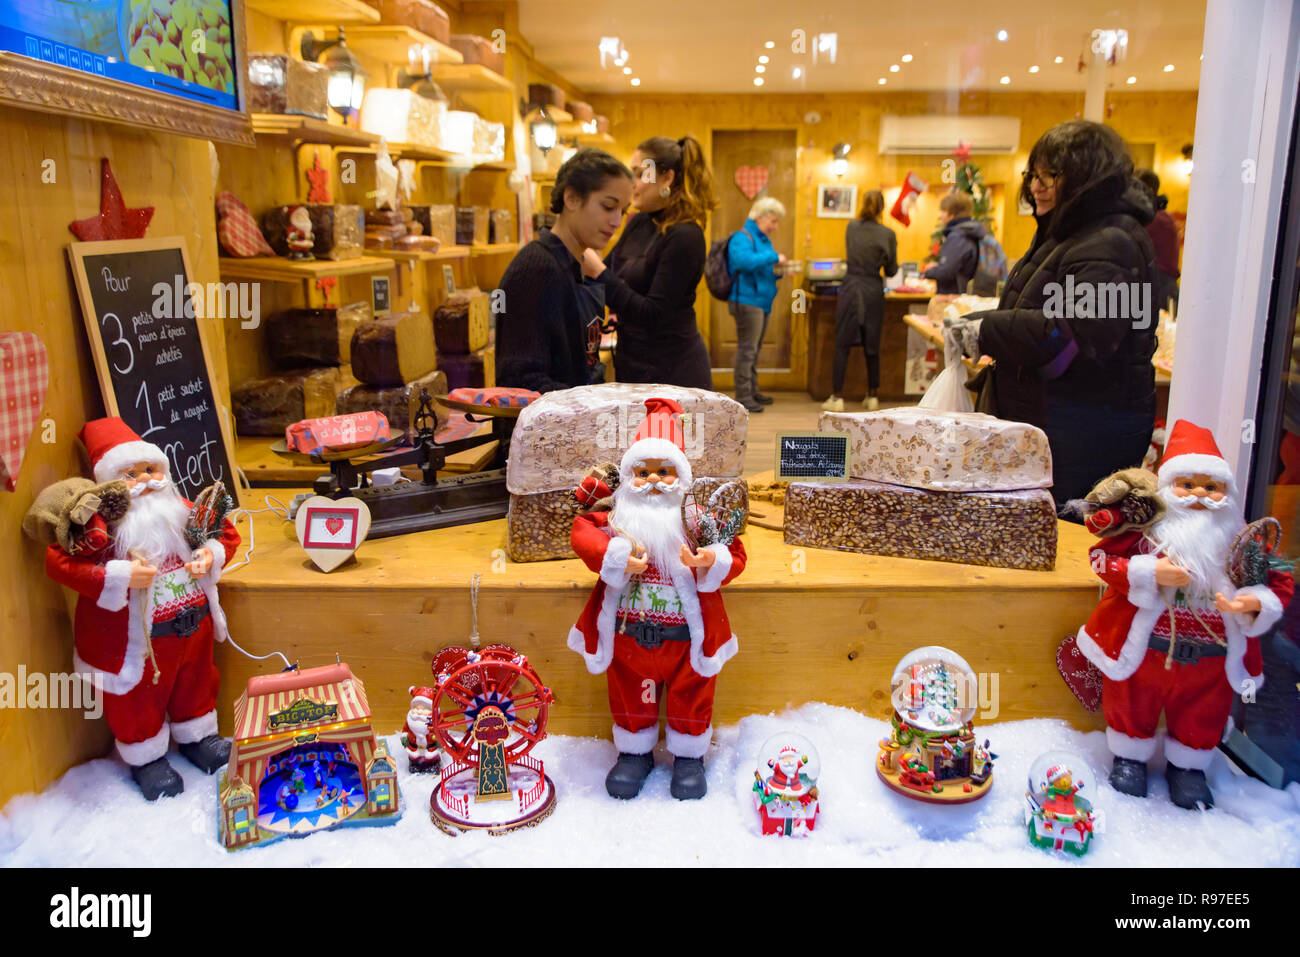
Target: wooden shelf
471, 77
316, 11
452, 252
492, 249
308, 129
277, 269
424, 255
595, 139
544, 179
391, 43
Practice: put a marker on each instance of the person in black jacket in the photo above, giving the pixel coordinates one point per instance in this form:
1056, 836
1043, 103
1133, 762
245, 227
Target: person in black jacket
548, 336
651, 274
959, 257
1074, 330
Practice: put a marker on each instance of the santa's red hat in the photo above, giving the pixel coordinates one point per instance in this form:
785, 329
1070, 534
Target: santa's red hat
1056, 772
659, 437
114, 447
1191, 450
421, 695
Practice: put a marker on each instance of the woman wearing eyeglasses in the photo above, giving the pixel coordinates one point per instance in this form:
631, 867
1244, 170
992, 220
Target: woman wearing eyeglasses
1074, 331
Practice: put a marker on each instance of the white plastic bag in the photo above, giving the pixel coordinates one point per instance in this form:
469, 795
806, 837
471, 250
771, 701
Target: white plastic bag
948, 392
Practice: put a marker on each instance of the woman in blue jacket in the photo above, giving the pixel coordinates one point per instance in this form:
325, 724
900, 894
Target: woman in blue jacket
754, 266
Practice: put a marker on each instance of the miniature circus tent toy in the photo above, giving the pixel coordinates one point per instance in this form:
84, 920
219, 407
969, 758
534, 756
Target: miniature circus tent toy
932, 754
785, 785
489, 711
1057, 814
305, 758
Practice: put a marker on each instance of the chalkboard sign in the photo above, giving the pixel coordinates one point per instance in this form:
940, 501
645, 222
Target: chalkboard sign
151, 354
812, 457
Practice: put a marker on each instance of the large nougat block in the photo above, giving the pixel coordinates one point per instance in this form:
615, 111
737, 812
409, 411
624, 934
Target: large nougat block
438, 221
283, 84
454, 131
314, 337
1004, 529
943, 451
472, 225
400, 404
463, 323
401, 116
337, 230
562, 434
489, 140
393, 350
502, 227
477, 370
269, 405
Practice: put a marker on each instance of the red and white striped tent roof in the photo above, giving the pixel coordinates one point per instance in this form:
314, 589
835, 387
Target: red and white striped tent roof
270, 694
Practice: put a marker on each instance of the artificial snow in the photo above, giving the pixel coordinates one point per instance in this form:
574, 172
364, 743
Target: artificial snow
94, 815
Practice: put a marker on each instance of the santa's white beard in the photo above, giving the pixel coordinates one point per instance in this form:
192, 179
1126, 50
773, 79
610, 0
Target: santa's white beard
654, 519
154, 528
1197, 540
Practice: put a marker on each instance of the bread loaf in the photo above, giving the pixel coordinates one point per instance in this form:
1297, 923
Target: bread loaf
269, 405
400, 404
314, 337
463, 323
393, 350
477, 370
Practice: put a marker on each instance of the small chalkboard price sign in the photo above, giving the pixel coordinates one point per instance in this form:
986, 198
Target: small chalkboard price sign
151, 354
812, 457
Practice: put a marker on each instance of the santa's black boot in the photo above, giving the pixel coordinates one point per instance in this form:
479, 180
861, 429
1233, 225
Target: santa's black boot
628, 774
1187, 788
689, 783
157, 779
207, 755
1129, 777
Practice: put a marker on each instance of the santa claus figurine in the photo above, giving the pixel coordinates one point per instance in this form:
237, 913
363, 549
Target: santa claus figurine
655, 620
785, 771
148, 615
417, 735
1173, 632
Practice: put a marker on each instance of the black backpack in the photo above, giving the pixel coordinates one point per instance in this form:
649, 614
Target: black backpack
717, 268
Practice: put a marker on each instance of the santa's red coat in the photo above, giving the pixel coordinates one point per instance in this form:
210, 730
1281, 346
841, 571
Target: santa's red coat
108, 628
1117, 634
712, 642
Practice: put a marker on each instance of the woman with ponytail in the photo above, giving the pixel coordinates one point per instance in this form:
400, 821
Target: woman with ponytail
651, 274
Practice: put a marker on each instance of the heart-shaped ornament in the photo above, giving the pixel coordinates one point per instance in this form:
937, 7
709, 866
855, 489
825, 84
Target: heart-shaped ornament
237, 230
330, 530
751, 180
24, 377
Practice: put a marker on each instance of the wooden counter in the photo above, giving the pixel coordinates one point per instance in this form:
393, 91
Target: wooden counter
893, 349
813, 625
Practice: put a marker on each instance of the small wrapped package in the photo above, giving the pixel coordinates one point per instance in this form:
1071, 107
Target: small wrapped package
477, 49
454, 131
401, 116
475, 370
581, 112
472, 225
489, 140
283, 84
393, 350
399, 404
1003, 529
337, 231
602, 123
337, 433
545, 94
269, 405
463, 323
437, 221
501, 226
314, 337
943, 451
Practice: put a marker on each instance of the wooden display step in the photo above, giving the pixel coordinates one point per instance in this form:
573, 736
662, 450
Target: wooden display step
278, 269
813, 624
308, 129
316, 11
392, 43
492, 249
471, 78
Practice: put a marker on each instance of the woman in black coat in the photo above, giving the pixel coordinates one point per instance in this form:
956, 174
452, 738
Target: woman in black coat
651, 274
1074, 331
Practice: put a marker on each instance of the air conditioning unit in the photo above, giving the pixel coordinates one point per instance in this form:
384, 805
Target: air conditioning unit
939, 135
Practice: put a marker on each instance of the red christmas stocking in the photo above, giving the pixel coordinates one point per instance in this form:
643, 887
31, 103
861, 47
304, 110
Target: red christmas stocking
913, 186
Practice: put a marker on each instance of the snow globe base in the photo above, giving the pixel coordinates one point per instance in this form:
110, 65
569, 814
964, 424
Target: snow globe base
456, 806
954, 791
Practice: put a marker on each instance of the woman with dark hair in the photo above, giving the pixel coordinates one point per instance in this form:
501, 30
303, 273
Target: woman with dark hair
548, 336
1074, 331
870, 247
651, 274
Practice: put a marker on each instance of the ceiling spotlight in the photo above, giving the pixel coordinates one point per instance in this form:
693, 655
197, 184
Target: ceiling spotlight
1169, 68
882, 81
1002, 36
1005, 80
636, 81
1131, 80
1034, 68
620, 61
627, 71
907, 58
893, 68
760, 69
758, 81
796, 73
769, 44
764, 58
1059, 59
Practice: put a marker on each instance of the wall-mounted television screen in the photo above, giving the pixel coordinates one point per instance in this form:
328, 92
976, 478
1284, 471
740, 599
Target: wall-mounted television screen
185, 48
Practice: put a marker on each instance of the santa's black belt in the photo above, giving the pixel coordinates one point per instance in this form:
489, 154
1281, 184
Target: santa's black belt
651, 634
184, 623
1188, 652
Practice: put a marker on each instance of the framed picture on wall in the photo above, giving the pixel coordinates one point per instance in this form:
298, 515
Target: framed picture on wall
836, 201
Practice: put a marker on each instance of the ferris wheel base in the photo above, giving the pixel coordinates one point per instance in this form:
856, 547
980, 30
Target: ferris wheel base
456, 807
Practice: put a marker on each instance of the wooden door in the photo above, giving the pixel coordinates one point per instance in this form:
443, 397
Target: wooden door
775, 150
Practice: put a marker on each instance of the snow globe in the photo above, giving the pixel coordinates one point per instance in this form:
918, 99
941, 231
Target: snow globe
932, 754
1057, 815
785, 785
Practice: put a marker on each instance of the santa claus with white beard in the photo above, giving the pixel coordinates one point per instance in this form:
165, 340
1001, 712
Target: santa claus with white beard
148, 614
655, 620
1172, 631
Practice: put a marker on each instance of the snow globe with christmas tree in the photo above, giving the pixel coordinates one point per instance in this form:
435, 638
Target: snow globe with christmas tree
932, 753
785, 785
1057, 815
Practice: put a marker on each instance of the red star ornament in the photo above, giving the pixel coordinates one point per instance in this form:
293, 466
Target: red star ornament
962, 152
114, 221
318, 178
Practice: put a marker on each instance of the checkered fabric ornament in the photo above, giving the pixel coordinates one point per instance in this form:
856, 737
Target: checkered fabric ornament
237, 230
751, 179
24, 377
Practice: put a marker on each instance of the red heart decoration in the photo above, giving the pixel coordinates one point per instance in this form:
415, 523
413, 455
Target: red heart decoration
333, 525
751, 179
24, 377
